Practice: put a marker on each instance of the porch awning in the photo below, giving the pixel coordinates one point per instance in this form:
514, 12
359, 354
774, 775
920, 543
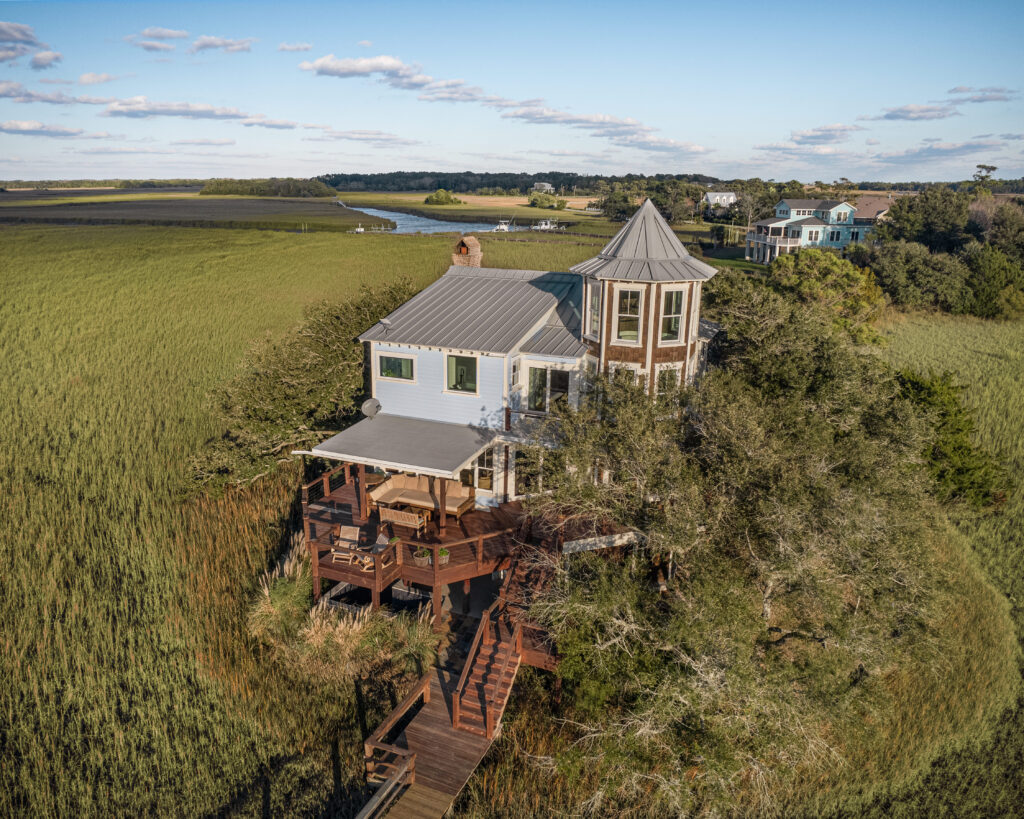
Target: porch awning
409, 444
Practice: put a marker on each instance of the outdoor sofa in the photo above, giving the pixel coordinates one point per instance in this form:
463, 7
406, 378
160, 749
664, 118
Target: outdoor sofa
413, 490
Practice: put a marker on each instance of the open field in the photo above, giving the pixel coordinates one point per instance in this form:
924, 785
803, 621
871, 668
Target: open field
128, 681
188, 210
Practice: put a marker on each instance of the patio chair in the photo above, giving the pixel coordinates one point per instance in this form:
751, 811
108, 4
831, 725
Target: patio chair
347, 536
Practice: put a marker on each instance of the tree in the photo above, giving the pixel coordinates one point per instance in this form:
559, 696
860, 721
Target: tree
546, 200
618, 206
846, 292
1007, 231
442, 197
913, 277
996, 281
984, 173
936, 217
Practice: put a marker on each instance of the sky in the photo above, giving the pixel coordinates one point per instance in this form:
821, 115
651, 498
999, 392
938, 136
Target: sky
870, 91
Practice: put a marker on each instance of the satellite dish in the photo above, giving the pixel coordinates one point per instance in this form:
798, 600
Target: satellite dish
371, 406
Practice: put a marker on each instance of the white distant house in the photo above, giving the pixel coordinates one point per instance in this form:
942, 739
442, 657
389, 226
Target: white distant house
719, 199
543, 187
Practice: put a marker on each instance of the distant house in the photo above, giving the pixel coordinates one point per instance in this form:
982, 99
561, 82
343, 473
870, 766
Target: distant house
543, 187
812, 223
719, 199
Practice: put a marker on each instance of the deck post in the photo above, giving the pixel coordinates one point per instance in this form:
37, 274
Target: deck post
505, 463
326, 479
442, 512
435, 599
361, 491
479, 551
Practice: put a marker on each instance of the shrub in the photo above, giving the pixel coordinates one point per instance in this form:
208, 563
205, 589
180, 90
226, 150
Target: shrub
546, 200
914, 277
994, 280
442, 197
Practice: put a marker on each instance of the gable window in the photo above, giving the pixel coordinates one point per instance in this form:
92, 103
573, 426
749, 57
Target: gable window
627, 316
461, 375
594, 310
672, 315
397, 367
548, 388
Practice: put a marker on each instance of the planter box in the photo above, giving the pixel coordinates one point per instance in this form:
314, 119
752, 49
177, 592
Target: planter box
423, 561
442, 560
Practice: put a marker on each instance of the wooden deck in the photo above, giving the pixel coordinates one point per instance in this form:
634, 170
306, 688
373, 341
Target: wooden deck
479, 543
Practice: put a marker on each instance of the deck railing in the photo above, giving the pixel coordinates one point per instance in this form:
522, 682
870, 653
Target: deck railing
390, 766
492, 708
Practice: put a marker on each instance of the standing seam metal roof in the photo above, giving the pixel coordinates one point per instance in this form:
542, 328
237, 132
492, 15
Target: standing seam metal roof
645, 249
482, 309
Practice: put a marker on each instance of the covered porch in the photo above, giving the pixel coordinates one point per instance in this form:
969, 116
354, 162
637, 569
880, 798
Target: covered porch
393, 510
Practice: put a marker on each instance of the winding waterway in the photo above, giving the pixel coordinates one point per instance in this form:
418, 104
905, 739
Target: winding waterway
408, 223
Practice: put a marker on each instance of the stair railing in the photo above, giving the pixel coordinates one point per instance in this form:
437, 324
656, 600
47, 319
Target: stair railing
492, 711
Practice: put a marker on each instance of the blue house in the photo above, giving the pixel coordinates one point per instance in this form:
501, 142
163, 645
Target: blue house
808, 223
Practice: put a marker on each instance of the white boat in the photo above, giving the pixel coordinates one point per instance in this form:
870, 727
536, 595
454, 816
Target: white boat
547, 224
503, 226
359, 229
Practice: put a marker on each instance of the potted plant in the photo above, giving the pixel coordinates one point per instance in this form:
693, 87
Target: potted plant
442, 557
422, 557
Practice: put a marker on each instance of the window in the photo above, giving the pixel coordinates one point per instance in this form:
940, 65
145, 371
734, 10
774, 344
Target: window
461, 373
855, 236
515, 373
627, 316
398, 367
594, 316
485, 470
812, 235
833, 235
668, 379
547, 388
794, 233
672, 315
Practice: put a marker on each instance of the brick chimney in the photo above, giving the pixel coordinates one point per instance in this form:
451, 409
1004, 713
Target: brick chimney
467, 252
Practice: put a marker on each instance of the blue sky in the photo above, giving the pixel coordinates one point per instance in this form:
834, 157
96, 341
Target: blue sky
870, 90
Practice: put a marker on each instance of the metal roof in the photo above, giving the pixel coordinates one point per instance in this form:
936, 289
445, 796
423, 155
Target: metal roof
814, 204
707, 330
481, 309
810, 220
411, 444
775, 220
645, 249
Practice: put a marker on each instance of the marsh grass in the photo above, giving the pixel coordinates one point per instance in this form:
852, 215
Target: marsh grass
129, 683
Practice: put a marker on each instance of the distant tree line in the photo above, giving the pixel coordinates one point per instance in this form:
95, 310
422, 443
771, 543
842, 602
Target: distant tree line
493, 184
266, 187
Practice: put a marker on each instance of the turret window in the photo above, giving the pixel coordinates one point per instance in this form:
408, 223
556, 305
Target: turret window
673, 305
627, 316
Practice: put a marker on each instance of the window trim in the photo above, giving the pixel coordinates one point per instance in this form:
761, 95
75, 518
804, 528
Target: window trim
615, 341
675, 366
673, 288
378, 353
593, 286
444, 375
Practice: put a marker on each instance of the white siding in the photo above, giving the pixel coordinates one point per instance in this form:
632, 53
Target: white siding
426, 398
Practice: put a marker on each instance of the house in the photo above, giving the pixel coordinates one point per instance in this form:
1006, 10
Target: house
421, 502
462, 370
714, 200
543, 187
810, 223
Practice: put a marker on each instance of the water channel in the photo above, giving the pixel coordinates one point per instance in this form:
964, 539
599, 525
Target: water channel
408, 223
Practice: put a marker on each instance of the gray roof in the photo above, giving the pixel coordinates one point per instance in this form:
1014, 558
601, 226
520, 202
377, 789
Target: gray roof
813, 204
871, 207
707, 330
775, 220
809, 220
411, 444
646, 250
483, 309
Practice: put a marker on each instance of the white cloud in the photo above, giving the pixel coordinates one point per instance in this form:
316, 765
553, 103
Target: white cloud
142, 108
295, 47
17, 92
936, 151
152, 45
45, 59
158, 33
824, 134
90, 78
19, 34
260, 121
915, 112
55, 81
376, 138
205, 43
364, 43
627, 133
35, 128
989, 93
203, 142
872, 142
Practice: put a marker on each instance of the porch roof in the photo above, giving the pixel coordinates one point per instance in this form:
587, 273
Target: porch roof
410, 444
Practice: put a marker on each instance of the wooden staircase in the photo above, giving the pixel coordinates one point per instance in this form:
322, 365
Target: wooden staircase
479, 700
